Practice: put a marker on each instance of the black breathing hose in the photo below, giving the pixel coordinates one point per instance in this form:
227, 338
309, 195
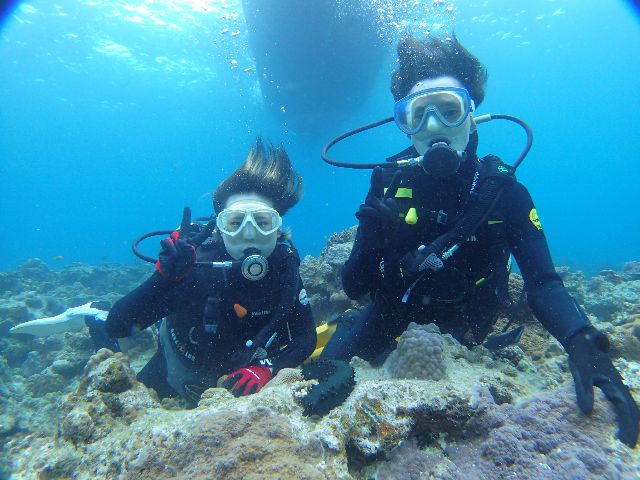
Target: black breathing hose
155, 233
339, 138
479, 119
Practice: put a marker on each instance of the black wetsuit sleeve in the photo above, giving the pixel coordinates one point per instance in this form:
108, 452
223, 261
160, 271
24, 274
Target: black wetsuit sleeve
361, 272
142, 307
549, 300
300, 334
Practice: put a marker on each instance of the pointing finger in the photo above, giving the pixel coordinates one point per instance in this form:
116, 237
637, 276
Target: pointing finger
393, 187
186, 221
626, 410
377, 181
584, 389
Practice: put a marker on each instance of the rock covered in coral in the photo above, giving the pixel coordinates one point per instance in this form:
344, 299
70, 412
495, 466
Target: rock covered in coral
257, 444
607, 296
631, 270
409, 461
420, 354
547, 437
625, 338
450, 429
322, 280
41, 370
109, 394
493, 416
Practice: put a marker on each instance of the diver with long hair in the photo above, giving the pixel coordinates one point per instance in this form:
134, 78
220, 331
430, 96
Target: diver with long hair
231, 300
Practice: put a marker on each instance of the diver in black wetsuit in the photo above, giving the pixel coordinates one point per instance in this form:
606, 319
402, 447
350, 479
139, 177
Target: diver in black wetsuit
232, 300
417, 256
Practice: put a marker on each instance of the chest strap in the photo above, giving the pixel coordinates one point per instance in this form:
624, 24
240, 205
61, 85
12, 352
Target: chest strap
489, 182
287, 273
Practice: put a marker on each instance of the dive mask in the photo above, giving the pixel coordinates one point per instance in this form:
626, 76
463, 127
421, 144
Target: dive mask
249, 225
451, 105
231, 221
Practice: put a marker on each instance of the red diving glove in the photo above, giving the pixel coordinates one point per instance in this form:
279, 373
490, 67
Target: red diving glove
176, 258
247, 380
178, 254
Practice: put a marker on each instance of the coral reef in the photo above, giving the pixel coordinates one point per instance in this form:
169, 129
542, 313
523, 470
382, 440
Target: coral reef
419, 355
36, 372
322, 277
67, 412
258, 444
35, 291
410, 462
546, 437
108, 394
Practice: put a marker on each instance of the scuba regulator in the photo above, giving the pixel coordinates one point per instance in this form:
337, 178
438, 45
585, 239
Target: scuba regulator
253, 266
439, 160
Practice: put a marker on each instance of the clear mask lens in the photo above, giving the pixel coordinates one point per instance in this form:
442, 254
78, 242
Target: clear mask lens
265, 220
451, 105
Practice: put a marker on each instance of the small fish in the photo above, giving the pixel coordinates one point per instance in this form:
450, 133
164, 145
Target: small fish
58, 258
502, 340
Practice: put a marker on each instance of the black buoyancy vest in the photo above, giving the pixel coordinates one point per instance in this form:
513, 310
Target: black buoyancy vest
284, 263
465, 212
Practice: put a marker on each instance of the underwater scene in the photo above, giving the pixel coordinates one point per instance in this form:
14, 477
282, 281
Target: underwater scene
319, 239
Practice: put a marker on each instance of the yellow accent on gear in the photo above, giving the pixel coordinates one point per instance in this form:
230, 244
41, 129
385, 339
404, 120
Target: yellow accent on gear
324, 332
411, 217
403, 192
533, 216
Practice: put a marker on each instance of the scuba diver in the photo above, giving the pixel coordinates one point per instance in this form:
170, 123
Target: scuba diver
229, 294
438, 227
232, 300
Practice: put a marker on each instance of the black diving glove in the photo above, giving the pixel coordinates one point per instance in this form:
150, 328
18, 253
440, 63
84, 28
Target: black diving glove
591, 366
178, 254
381, 224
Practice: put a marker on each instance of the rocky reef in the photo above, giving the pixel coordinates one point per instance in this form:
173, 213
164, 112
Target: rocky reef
322, 277
69, 412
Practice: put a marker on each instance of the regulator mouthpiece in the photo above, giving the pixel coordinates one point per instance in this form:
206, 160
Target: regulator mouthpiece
441, 160
254, 266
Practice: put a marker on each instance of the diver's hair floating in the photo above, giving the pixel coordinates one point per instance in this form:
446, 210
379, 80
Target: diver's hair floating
266, 171
437, 57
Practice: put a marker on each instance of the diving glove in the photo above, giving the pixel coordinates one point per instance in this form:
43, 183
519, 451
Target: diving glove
177, 257
381, 223
247, 380
591, 366
98, 330
178, 253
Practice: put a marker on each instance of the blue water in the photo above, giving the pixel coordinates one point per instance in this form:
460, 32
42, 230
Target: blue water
114, 115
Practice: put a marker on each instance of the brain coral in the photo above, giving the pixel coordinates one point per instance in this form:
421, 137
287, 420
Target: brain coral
420, 354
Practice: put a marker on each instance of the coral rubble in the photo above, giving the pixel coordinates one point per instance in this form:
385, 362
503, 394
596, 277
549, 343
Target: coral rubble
434, 410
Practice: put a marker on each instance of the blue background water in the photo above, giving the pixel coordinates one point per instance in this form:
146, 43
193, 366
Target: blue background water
113, 116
